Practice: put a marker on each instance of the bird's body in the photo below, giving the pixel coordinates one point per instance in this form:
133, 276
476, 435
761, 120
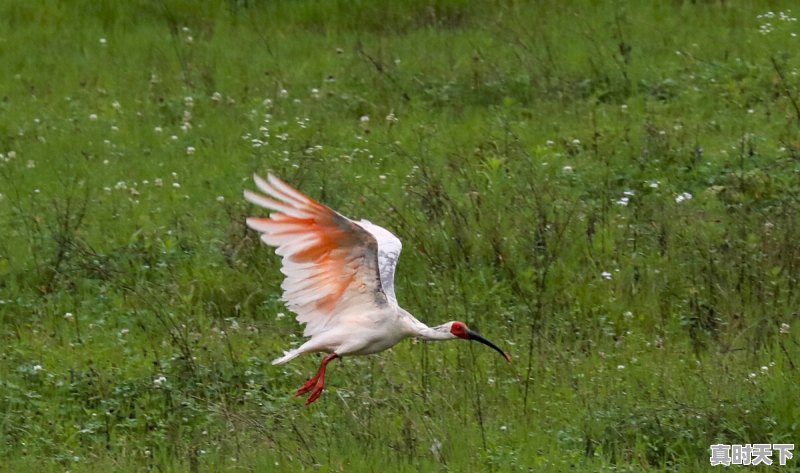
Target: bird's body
339, 280
366, 334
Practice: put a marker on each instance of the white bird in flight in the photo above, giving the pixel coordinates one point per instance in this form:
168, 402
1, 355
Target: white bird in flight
339, 280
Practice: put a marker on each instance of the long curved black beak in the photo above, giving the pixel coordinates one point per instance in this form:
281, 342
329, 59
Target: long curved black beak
474, 336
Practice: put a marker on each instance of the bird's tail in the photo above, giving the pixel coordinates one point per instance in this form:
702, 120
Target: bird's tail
287, 356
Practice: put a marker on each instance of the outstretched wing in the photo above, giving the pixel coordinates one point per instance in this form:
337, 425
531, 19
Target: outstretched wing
333, 266
389, 248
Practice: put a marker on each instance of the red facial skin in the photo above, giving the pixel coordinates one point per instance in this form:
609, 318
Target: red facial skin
459, 329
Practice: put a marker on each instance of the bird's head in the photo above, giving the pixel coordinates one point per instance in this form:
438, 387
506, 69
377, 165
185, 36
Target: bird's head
460, 330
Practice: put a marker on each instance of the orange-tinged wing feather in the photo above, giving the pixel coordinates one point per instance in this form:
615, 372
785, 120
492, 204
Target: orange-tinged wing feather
330, 262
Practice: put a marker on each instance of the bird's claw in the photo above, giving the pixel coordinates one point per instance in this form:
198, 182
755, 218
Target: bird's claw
317, 383
308, 386
316, 394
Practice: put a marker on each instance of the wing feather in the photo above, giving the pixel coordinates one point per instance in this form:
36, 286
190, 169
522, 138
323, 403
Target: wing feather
389, 248
332, 264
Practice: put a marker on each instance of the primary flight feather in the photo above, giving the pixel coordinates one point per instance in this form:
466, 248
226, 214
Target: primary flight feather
339, 280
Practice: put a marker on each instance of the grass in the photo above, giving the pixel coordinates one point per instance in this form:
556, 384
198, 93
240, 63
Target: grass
608, 189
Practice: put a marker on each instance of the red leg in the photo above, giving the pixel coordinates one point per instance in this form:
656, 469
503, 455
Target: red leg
317, 383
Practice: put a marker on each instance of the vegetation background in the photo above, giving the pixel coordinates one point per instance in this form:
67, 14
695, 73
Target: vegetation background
608, 189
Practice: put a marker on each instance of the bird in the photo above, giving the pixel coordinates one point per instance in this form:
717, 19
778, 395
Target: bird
339, 280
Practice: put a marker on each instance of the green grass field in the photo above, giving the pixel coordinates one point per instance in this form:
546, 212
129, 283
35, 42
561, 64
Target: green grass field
609, 190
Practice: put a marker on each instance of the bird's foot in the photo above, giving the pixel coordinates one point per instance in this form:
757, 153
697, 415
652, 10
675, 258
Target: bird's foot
308, 386
317, 383
318, 388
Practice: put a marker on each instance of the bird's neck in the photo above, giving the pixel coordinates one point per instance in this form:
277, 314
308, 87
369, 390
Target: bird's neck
417, 329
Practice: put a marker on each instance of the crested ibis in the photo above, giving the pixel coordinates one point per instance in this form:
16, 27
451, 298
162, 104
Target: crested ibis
339, 280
